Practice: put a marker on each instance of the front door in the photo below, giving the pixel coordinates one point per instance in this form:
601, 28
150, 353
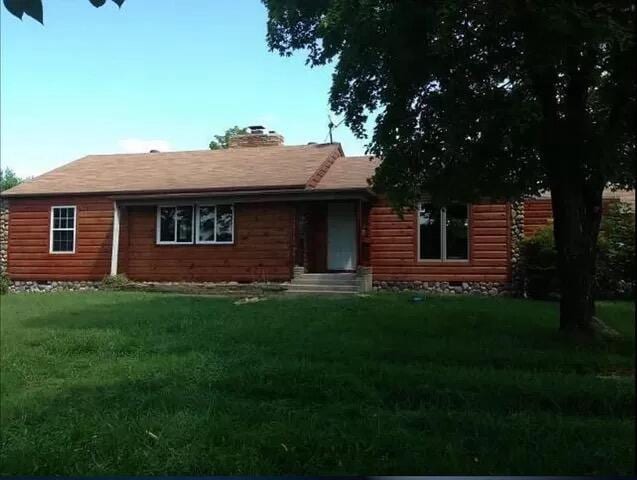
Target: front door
341, 236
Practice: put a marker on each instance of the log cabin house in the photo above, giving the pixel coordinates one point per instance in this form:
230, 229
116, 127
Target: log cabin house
258, 211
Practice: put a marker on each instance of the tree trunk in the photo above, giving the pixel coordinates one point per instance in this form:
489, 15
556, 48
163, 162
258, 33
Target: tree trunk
577, 211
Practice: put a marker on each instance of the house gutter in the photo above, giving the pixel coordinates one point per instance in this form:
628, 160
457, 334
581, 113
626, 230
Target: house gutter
186, 191
250, 196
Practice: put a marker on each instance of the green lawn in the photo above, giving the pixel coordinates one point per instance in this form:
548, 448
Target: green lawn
132, 383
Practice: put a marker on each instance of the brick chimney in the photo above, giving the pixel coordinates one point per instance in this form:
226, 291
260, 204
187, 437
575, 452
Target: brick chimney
257, 136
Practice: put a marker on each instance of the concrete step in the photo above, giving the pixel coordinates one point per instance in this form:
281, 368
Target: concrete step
323, 287
324, 281
335, 276
319, 292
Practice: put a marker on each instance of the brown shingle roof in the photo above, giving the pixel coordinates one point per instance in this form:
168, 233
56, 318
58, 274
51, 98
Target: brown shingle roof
349, 173
269, 167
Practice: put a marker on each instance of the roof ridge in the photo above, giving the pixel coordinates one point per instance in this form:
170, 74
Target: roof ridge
320, 172
204, 150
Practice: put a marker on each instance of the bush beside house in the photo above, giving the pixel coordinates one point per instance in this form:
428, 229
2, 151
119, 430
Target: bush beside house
539, 264
4, 283
616, 258
614, 276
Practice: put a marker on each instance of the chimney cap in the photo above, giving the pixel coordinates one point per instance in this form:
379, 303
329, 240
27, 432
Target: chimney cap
154, 151
256, 129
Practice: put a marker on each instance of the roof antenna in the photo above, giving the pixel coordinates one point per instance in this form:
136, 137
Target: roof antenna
332, 126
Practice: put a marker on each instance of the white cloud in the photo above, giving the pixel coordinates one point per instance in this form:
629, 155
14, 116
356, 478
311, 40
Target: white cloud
140, 145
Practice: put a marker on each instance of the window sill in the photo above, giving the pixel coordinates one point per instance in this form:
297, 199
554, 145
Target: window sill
194, 244
444, 262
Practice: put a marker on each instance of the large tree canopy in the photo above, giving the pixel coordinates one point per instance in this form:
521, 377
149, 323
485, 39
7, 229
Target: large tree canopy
495, 98
33, 8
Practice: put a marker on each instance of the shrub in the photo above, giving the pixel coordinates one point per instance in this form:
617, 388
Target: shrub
115, 282
539, 263
615, 257
4, 283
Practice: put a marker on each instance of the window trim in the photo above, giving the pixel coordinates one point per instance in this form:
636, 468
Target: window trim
52, 229
197, 216
158, 239
443, 238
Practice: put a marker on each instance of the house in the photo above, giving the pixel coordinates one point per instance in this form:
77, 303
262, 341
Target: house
257, 211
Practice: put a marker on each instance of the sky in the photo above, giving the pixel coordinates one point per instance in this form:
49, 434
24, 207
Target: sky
162, 74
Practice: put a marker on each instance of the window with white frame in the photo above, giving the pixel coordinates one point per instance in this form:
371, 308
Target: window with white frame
215, 224
175, 224
443, 232
63, 228
202, 224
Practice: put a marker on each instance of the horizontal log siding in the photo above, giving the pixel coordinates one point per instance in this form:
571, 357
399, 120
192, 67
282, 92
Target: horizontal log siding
261, 252
29, 236
394, 247
537, 214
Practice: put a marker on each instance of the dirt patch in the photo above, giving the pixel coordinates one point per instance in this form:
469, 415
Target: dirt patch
210, 289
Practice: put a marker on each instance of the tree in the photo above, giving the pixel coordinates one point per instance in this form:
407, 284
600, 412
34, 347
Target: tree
486, 97
8, 179
221, 141
33, 8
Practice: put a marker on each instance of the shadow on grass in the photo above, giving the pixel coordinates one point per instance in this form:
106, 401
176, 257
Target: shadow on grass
148, 384
206, 417
276, 351
496, 333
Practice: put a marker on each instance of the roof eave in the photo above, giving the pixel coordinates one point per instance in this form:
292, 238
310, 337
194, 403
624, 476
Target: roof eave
159, 192
270, 195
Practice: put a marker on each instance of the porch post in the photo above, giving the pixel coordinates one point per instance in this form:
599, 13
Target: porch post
115, 244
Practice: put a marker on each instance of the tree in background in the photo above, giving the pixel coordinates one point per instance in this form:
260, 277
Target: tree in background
486, 98
8, 179
221, 141
33, 8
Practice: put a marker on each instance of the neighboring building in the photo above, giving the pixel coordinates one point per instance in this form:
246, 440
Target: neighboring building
252, 212
538, 210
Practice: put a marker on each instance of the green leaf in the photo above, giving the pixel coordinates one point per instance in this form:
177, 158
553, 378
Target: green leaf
119, 2
97, 3
15, 7
33, 8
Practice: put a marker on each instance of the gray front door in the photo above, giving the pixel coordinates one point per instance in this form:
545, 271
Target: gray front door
341, 236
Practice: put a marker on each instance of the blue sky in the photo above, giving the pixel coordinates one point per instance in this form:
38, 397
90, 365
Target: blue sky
166, 74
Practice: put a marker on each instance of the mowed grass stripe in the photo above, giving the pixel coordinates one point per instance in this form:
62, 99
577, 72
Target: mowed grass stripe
355, 385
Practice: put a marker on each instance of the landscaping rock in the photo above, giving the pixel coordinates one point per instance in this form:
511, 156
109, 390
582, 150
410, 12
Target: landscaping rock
243, 301
18, 286
444, 288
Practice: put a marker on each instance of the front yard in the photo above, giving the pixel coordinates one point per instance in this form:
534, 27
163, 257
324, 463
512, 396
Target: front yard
133, 383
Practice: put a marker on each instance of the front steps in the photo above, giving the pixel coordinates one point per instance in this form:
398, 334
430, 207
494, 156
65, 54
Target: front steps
324, 283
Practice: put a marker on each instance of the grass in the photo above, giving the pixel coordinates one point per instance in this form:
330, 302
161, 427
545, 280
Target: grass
133, 383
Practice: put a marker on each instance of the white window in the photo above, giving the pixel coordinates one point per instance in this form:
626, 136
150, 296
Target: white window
203, 224
215, 224
443, 233
175, 224
63, 223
